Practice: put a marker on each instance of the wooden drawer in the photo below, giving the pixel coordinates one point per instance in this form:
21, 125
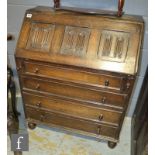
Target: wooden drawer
71, 122
75, 75
75, 109
74, 91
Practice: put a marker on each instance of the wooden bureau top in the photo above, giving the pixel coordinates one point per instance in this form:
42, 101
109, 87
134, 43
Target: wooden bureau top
91, 41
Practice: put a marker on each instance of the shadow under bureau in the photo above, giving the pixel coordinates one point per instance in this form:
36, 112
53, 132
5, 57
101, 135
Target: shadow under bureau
77, 71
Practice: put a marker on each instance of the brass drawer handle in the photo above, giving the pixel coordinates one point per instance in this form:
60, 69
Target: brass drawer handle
106, 83
38, 86
19, 68
98, 129
100, 117
36, 70
128, 85
104, 99
42, 117
38, 104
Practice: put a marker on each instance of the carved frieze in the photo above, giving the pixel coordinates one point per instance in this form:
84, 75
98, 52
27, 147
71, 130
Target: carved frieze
113, 46
40, 37
75, 41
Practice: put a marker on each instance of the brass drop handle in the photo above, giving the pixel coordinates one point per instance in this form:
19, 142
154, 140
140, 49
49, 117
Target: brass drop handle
128, 85
100, 117
106, 83
98, 129
36, 70
42, 117
37, 86
19, 68
104, 99
38, 104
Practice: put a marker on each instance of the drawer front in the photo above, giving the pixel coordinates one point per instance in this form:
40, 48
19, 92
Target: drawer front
72, 91
101, 80
71, 122
73, 109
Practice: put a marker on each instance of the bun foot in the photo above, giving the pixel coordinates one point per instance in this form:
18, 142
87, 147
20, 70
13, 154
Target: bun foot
112, 144
32, 126
17, 153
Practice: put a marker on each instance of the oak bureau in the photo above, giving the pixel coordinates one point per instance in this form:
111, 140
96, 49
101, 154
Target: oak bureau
77, 71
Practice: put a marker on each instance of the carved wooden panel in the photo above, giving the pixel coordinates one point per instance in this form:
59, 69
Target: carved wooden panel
75, 41
40, 37
113, 46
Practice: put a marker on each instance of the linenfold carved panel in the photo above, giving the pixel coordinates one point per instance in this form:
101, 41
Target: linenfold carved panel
40, 37
75, 41
113, 46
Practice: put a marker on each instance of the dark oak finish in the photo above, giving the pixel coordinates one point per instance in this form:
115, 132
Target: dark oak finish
77, 74
72, 91
105, 81
75, 109
97, 129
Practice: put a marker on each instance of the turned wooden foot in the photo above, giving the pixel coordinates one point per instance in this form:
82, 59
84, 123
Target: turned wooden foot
17, 153
32, 125
112, 144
